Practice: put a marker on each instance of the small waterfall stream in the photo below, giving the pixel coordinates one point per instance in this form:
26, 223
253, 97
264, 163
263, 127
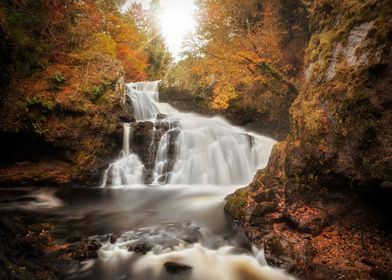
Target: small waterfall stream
197, 161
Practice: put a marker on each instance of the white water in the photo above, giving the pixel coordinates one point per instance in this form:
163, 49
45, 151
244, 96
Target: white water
144, 98
207, 150
212, 159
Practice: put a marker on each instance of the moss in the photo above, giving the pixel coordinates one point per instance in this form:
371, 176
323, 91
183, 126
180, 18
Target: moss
96, 92
45, 105
335, 20
236, 204
310, 120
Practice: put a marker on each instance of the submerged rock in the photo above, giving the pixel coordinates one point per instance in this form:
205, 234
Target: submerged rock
174, 268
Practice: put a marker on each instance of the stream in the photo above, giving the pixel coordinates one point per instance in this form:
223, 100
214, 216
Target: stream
165, 220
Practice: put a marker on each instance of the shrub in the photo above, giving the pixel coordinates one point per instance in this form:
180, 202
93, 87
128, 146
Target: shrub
57, 81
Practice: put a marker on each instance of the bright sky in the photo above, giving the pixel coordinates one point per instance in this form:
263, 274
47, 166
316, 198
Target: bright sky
176, 21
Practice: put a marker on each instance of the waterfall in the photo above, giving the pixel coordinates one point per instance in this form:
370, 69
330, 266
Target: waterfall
193, 163
193, 150
126, 138
144, 96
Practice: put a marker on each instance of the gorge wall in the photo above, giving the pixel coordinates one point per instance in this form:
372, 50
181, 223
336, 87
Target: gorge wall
320, 207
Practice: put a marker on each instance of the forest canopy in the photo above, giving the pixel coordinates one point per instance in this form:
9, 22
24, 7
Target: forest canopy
39, 33
237, 44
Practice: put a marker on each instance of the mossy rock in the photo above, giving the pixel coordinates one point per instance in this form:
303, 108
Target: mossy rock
236, 204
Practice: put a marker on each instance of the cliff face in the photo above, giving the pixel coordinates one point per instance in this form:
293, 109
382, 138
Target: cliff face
63, 125
307, 208
342, 117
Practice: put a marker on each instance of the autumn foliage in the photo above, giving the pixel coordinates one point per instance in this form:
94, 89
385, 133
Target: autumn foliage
75, 33
237, 44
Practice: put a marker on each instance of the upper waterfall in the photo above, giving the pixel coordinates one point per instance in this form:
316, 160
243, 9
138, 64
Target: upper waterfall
144, 96
191, 150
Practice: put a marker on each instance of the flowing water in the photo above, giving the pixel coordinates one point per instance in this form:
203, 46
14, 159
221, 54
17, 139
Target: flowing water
174, 227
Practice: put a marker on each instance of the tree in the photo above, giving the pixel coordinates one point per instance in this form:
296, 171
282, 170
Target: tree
236, 43
159, 58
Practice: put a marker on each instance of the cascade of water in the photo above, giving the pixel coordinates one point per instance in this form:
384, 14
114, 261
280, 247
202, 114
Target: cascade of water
144, 96
190, 153
211, 151
128, 169
194, 150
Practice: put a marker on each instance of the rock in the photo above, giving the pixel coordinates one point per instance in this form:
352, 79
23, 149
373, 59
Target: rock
175, 268
307, 219
74, 237
264, 195
140, 248
113, 238
145, 143
313, 208
85, 250
263, 208
358, 39
161, 116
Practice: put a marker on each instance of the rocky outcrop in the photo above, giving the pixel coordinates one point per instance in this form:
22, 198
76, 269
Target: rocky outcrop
145, 141
63, 125
320, 207
341, 119
41, 251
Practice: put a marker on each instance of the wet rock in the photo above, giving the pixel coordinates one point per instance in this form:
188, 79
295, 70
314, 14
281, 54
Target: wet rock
265, 195
142, 247
161, 116
279, 252
22, 257
307, 219
174, 268
113, 238
263, 208
159, 238
74, 237
84, 250
146, 137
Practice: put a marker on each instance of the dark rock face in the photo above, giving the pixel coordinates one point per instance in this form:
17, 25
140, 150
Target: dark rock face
320, 208
145, 140
340, 122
